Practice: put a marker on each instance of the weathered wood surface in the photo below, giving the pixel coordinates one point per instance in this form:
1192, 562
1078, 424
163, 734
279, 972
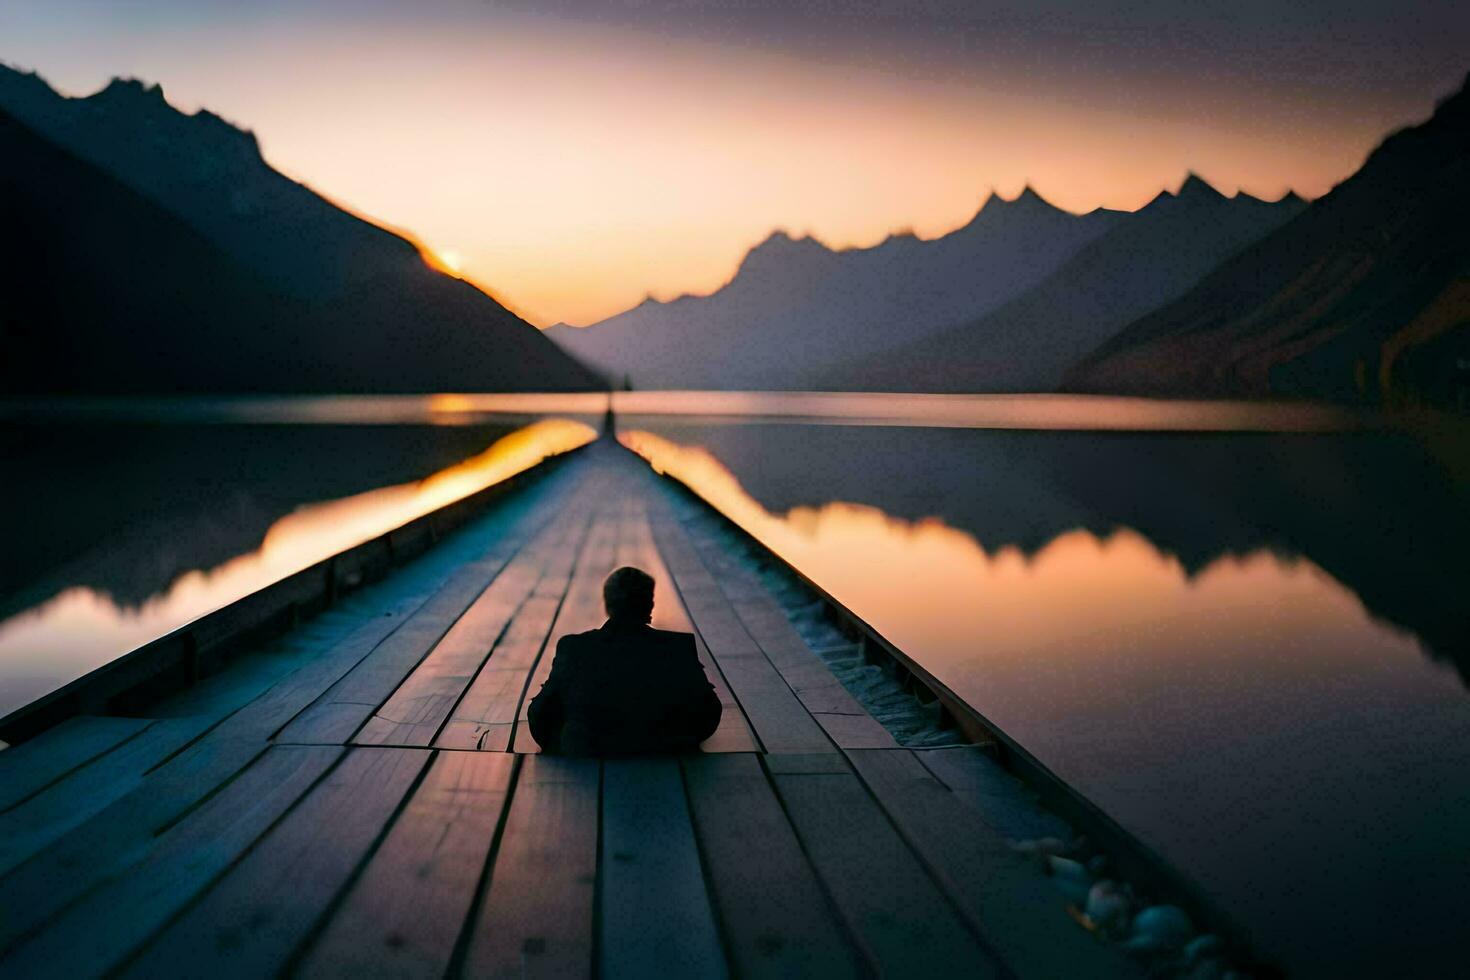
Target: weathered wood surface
1004, 894
655, 907
112, 920
403, 915
89, 789
32, 766
252, 921
537, 915
485, 717
882, 891
363, 795
777, 918
846, 722
780, 721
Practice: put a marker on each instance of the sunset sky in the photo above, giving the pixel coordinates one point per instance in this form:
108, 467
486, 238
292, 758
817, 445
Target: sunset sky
575, 156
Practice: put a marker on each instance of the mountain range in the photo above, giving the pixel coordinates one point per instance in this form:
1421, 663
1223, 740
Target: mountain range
1362, 296
1365, 296
795, 306
1145, 259
146, 250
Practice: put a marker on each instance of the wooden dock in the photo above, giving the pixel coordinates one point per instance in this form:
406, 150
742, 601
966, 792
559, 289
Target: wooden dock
361, 795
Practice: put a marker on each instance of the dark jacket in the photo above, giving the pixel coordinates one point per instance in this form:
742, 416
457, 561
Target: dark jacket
624, 689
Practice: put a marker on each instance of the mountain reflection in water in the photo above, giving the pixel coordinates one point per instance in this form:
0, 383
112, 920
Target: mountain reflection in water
1149, 616
80, 627
1078, 597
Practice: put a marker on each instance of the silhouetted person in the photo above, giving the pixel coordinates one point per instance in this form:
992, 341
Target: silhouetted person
625, 688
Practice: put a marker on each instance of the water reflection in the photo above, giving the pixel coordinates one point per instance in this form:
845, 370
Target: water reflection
1034, 411
1379, 512
1080, 598
1232, 702
83, 627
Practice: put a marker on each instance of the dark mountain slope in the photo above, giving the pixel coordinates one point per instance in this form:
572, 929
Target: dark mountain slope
105, 291
1147, 258
796, 307
212, 175
1365, 296
351, 306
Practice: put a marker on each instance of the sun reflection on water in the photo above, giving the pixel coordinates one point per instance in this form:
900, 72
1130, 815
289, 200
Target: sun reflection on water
80, 629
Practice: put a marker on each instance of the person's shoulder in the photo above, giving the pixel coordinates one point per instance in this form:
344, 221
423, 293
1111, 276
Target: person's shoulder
674, 640
573, 642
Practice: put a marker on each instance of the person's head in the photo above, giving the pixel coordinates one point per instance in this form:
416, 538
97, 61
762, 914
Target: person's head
628, 595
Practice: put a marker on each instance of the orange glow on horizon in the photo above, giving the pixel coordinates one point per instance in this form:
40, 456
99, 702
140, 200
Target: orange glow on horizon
449, 263
640, 165
446, 262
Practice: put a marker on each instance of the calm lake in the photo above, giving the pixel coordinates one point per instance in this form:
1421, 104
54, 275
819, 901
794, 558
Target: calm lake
1249, 645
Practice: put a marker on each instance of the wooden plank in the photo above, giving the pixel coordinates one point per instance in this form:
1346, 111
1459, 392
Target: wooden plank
342, 709
404, 914
654, 909
485, 717
880, 888
780, 721
84, 792
574, 526
581, 610
116, 837
414, 713
734, 733
806, 763
252, 920
422, 705
843, 717
352, 699
1018, 911
777, 922
536, 916
992, 794
31, 766
96, 933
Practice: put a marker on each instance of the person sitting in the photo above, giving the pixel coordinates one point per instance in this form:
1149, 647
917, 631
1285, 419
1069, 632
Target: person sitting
625, 688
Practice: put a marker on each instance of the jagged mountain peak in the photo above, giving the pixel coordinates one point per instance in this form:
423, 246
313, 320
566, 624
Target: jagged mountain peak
227, 131
1396, 224
1027, 205
1027, 200
1456, 103
133, 91
123, 102
781, 238
1196, 188
17, 78
780, 247
895, 239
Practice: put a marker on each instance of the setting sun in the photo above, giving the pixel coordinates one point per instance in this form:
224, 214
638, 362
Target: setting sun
445, 261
